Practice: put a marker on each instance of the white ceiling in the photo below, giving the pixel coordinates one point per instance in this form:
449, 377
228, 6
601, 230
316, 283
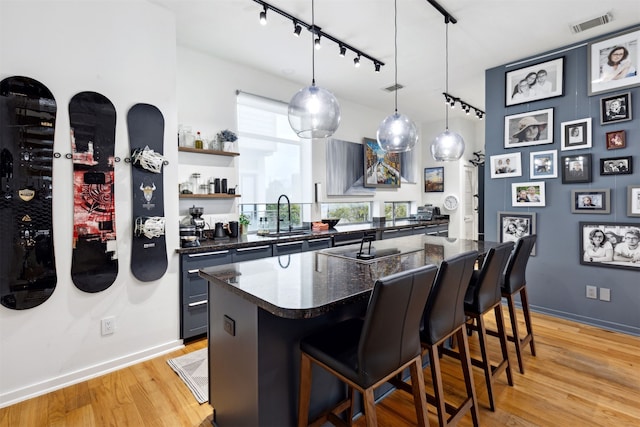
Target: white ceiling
488, 33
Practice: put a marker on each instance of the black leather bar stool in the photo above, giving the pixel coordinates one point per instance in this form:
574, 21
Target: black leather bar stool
365, 353
444, 318
515, 283
482, 296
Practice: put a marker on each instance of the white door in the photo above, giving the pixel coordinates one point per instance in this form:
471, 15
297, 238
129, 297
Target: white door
470, 214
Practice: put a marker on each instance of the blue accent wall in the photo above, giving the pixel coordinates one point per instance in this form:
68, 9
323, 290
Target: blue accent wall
556, 281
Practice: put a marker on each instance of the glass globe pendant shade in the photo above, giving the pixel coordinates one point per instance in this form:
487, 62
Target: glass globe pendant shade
314, 113
447, 147
397, 134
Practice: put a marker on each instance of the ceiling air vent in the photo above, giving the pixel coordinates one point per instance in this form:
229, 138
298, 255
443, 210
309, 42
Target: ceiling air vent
591, 23
394, 87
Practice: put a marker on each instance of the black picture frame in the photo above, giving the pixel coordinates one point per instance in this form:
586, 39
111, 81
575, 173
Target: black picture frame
514, 225
434, 180
591, 201
616, 165
615, 108
538, 86
616, 251
576, 169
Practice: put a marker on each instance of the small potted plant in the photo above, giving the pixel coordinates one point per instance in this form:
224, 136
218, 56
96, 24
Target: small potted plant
226, 138
244, 223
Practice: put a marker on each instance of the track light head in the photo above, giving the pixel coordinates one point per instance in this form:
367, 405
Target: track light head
316, 43
452, 103
356, 61
296, 29
343, 50
377, 67
263, 16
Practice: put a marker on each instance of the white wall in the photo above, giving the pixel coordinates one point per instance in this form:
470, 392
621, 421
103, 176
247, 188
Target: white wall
126, 51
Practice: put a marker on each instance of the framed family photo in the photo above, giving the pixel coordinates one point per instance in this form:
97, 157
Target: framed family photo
614, 109
506, 165
527, 194
530, 128
543, 164
616, 139
576, 169
616, 166
614, 62
434, 180
610, 244
576, 134
633, 200
539, 81
591, 201
514, 225
381, 169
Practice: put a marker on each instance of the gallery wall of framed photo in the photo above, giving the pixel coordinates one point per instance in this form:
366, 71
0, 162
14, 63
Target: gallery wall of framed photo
562, 136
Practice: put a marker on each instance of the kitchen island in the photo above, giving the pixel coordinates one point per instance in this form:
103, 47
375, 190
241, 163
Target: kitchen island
259, 310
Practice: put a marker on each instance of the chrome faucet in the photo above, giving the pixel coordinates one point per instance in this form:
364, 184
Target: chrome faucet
278, 213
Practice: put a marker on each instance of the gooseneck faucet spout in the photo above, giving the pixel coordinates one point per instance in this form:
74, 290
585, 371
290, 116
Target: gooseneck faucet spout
278, 213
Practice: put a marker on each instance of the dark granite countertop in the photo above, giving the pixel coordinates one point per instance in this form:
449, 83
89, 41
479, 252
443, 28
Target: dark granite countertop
250, 240
309, 284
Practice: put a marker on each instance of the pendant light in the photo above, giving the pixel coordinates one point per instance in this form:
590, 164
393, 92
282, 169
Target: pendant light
397, 133
313, 111
448, 146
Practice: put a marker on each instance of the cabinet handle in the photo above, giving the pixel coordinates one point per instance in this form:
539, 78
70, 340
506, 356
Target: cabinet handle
420, 228
391, 231
288, 243
197, 303
195, 270
319, 240
208, 253
255, 248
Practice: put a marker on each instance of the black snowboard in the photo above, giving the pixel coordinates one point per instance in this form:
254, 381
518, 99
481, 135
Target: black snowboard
94, 262
27, 259
146, 140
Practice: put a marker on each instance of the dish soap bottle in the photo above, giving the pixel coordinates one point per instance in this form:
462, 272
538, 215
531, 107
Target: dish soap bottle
198, 142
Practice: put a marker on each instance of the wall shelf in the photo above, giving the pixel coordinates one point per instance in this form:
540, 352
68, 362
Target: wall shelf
214, 152
208, 196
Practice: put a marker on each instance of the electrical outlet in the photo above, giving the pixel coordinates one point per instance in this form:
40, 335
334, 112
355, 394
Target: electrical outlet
592, 292
108, 325
605, 294
229, 325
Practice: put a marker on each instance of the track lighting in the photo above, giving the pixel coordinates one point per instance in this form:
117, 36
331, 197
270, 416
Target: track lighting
263, 16
451, 101
318, 33
356, 61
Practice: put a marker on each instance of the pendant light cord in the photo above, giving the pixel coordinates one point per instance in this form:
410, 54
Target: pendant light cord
446, 68
395, 41
313, 47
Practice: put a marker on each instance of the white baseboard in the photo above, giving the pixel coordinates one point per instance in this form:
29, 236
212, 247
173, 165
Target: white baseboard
38, 389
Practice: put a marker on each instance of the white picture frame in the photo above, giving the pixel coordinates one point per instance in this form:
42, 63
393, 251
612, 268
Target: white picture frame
600, 78
543, 164
506, 165
575, 134
516, 128
528, 194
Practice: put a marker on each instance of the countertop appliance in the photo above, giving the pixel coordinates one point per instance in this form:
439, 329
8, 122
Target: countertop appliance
427, 212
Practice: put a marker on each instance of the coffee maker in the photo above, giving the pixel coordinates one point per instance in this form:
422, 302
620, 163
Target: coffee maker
197, 220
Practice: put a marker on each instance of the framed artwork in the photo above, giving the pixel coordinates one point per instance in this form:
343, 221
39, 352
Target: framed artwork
539, 81
633, 200
610, 244
591, 201
514, 225
345, 177
616, 139
530, 128
614, 109
614, 62
381, 169
616, 166
576, 134
434, 180
506, 165
543, 164
576, 169
527, 194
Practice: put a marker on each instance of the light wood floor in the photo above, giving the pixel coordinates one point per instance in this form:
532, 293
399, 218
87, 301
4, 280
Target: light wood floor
582, 376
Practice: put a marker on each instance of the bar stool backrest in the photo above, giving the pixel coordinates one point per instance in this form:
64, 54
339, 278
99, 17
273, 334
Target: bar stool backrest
515, 273
487, 290
390, 334
444, 311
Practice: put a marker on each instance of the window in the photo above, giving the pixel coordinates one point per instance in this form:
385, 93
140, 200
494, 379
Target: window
396, 210
273, 161
349, 213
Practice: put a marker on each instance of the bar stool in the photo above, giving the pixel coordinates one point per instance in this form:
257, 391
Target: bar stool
515, 283
365, 353
483, 295
444, 318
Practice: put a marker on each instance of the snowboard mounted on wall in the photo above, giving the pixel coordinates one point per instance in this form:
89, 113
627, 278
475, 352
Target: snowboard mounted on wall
94, 261
146, 141
27, 259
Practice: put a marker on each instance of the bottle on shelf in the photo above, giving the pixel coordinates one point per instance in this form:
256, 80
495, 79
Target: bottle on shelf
198, 142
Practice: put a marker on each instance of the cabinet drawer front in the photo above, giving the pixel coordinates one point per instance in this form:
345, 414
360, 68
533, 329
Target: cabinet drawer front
205, 259
247, 254
287, 248
315, 244
194, 288
194, 319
